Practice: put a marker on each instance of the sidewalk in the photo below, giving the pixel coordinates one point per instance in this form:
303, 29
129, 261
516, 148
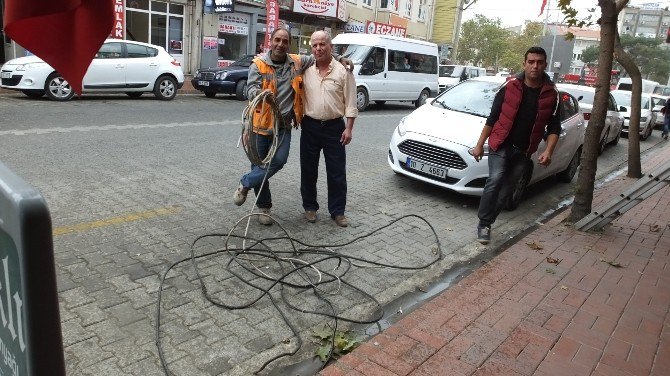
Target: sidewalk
522, 315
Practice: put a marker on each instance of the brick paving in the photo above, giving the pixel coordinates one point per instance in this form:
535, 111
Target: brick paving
521, 314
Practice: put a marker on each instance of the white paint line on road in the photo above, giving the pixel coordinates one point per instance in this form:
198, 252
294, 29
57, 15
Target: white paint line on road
92, 128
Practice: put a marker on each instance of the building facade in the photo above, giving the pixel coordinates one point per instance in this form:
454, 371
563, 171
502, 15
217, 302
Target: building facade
650, 21
202, 33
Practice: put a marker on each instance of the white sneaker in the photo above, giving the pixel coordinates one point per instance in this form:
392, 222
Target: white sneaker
264, 219
240, 195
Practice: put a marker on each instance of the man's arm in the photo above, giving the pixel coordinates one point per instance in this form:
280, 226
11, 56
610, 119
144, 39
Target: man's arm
350, 109
254, 81
496, 108
545, 158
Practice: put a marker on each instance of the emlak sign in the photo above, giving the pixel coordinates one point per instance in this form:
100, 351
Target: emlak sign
119, 22
327, 8
372, 27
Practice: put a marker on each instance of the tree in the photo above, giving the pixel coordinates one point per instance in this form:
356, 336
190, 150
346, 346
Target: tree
482, 42
518, 44
590, 55
609, 44
649, 55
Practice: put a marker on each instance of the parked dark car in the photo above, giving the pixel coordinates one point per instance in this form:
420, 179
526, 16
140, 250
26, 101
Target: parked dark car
227, 80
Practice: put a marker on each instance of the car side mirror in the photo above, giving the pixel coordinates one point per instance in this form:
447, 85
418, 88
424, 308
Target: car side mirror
622, 109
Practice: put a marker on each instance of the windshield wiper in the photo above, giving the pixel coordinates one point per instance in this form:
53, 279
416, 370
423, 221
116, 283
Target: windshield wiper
443, 105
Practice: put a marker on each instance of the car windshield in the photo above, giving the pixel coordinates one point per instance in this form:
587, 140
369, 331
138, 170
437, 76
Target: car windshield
623, 98
587, 96
354, 52
472, 97
450, 71
244, 61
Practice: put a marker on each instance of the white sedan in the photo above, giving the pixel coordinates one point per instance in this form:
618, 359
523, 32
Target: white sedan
647, 117
119, 66
433, 144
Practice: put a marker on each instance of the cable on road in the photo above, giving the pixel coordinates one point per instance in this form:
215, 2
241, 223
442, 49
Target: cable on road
299, 268
295, 269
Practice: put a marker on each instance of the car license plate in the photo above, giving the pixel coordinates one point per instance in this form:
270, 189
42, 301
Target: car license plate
203, 83
6, 75
426, 168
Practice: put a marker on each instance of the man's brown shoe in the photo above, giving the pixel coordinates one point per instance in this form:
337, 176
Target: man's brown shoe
341, 221
310, 216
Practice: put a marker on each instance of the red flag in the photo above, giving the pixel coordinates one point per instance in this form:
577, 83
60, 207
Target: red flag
64, 33
544, 3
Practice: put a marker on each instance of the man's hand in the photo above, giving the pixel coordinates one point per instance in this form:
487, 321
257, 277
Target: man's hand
478, 152
348, 64
544, 159
346, 136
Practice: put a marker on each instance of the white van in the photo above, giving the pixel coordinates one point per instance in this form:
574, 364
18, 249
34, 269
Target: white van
390, 68
450, 75
648, 86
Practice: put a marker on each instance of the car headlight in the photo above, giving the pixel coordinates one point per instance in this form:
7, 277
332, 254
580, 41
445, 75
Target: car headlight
25, 67
197, 72
486, 150
221, 75
402, 128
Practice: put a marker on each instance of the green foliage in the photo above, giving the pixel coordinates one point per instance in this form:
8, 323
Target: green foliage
345, 342
590, 54
649, 55
485, 42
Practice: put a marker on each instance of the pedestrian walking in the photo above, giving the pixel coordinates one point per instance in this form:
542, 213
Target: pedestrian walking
330, 95
523, 111
666, 119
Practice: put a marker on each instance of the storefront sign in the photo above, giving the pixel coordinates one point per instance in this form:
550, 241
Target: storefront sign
235, 23
326, 8
209, 43
354, 27
119, 14
225, 63
372, 27
272, 17
219, 6
341, 10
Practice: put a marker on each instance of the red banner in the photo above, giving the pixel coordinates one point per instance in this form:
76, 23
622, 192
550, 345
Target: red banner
64, 33
272, 19
119, 22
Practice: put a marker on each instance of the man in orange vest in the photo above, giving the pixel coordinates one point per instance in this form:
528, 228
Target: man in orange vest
281, 73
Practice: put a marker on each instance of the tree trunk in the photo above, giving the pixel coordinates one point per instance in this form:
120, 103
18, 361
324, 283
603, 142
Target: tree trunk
634, 165
589, 161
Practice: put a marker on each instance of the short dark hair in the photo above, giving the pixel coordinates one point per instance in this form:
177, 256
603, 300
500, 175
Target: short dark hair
272, 36
535, 50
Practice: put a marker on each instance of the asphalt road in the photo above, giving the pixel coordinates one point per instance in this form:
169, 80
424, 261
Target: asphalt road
131, 183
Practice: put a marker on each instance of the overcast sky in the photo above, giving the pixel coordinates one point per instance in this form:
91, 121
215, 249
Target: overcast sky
514, 13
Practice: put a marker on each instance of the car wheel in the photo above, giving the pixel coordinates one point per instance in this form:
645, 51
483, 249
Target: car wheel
165, 88
241, 90
210, 94
362, 99
514, 200
647, 133
134, 94
603, 143
616, 139
381, 103
422, 98
566, 175
33, 93
57, 88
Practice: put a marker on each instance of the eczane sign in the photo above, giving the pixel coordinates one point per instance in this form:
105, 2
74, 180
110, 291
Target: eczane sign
372, 27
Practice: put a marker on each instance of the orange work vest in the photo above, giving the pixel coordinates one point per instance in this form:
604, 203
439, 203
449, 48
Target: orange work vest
262, 118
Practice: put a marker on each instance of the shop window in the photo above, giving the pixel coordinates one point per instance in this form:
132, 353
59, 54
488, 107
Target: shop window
137, 26
422, 10
367, 2
158, 7
158, 29
138, 4
233, 36
175, 32
408, 8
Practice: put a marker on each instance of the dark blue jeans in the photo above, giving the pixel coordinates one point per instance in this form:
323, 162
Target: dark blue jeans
254, 178
317, 136
666, 124
506, 166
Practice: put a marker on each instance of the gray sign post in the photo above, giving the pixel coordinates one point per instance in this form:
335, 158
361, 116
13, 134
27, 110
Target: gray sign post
30, 334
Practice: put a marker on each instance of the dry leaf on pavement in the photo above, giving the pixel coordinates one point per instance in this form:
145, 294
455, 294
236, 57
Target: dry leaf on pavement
534, 245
